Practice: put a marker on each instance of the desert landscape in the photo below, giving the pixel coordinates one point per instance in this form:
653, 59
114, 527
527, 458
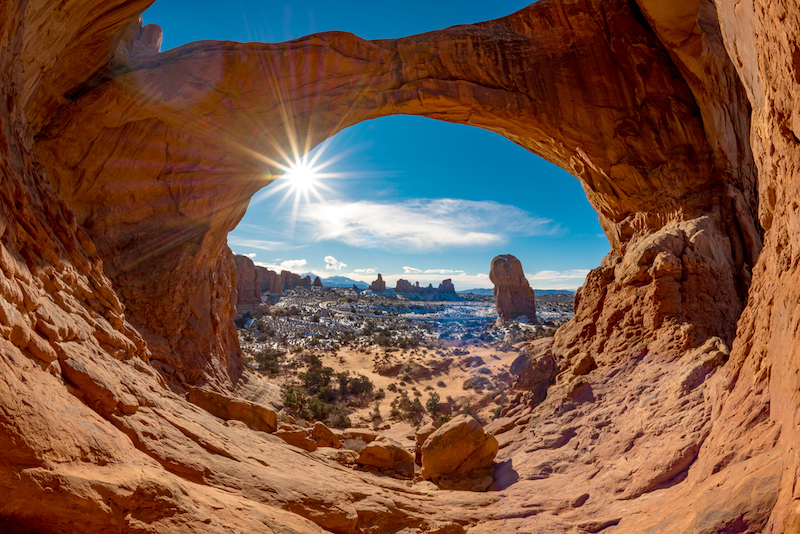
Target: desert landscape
662, 398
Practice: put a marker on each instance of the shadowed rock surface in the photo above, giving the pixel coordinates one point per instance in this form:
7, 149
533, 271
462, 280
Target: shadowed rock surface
674, 405
248, 285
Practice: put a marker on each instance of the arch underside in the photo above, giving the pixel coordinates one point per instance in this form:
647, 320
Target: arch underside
151, 160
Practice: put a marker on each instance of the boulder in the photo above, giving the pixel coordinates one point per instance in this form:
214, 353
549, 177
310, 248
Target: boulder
420, 436
385, 453
458, 447
363, 434
512, 290
225, 407
534, 368
299, 438
324, 436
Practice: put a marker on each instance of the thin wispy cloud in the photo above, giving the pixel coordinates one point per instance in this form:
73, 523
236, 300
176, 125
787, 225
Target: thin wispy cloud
365, 271
421, 225
260, 244
332, 263
569, 279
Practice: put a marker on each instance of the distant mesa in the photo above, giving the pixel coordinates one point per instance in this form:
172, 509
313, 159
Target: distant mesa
254, 280
445, 291
515, 297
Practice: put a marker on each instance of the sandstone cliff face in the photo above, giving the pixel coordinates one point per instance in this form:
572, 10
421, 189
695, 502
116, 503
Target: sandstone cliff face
679, 120
248, 285
513, 293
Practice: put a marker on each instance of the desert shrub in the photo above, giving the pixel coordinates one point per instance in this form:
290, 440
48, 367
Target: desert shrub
442, 419
382, 340
339, 419
395, 412
375, 415
416, 406
432, 404
441, 384
268, 360
354, 444
326, 393
318, 409
405, 407
379, 395
360, 384
467, 409
316, 378
468, 384
392, 387
295, 399
496, 411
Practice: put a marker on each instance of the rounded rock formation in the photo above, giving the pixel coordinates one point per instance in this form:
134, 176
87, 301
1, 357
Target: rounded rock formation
512, 290
458, 447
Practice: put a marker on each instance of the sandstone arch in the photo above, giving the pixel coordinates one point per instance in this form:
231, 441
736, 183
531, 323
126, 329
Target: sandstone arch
679, 122
584, 84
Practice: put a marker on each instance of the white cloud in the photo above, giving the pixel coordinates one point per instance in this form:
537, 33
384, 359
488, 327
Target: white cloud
365, 271
570, 279
422, 224
331, 263
287, 265
251, 255
411, 270
443, 271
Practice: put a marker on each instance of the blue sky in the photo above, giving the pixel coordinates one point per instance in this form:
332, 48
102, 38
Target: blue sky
409, 197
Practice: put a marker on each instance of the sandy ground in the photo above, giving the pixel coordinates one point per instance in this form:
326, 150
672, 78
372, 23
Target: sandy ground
443, 370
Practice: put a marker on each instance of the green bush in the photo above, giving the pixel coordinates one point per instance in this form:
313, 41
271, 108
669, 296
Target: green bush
295, 399
316, 378
360, 384
432, 405
339, 419
268, 360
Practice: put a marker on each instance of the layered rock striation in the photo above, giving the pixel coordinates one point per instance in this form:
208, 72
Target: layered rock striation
673, 402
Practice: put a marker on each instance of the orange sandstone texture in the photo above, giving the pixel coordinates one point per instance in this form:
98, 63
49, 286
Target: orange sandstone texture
674, 399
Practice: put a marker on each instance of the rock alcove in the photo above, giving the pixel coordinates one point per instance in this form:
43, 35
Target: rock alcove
125, 168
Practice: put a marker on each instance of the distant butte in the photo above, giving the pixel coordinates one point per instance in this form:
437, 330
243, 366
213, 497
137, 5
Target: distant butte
514, 295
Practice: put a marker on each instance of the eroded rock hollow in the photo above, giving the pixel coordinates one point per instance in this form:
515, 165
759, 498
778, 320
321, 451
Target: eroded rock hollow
674, 403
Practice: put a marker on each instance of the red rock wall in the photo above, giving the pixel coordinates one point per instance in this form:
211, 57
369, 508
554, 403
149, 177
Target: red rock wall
248, 285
